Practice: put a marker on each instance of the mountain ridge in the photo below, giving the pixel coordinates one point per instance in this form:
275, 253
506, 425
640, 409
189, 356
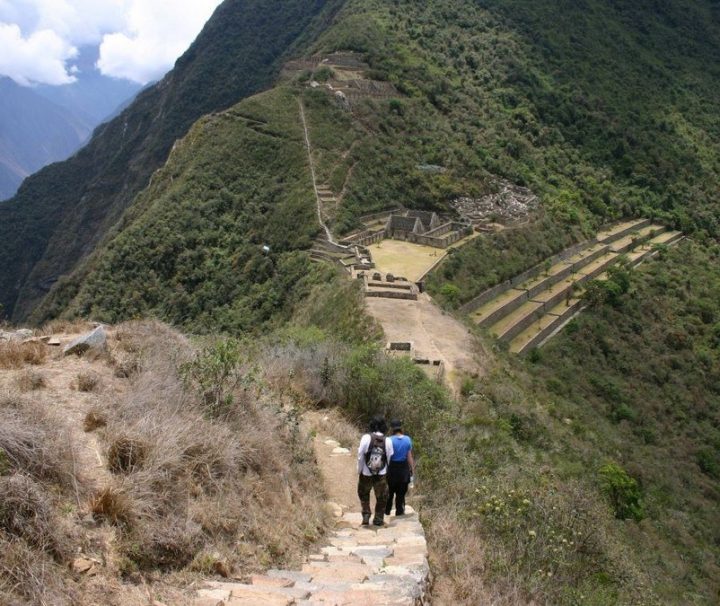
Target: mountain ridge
60, 215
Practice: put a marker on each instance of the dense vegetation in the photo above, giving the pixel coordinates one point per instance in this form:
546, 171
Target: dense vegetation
191, 248
555, 99
63, 212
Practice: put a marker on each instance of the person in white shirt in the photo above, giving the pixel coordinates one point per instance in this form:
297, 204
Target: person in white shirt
374, 452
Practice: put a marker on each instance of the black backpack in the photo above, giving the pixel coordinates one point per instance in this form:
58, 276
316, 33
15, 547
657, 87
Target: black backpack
376, 457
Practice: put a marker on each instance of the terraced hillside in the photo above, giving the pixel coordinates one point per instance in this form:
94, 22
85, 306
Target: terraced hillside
530, 308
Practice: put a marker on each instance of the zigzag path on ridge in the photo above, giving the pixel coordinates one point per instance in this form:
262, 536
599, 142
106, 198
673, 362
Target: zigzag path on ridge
359, 566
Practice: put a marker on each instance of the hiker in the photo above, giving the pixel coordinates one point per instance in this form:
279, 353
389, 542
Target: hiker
374, 453
401, 469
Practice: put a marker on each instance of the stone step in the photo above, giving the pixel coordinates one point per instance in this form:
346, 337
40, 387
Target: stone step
618, 231
241, 594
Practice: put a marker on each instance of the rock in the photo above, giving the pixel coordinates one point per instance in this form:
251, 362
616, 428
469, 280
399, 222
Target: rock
83, 565
261, 580
339, 450
53, 342
389, 278
16, 335
333, 443
334, 509
97, 339
219, 595
292, 575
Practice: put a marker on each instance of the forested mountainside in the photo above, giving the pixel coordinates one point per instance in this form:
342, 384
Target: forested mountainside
59, 215
602, 109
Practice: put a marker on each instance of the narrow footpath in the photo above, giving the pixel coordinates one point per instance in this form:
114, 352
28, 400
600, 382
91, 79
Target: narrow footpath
358, 566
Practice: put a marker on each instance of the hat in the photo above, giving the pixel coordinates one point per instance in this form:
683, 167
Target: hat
395, 424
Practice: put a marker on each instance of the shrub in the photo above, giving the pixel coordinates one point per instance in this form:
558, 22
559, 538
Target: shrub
215, 373
450, 293
126, 455
622, 491
14, 354
88, 381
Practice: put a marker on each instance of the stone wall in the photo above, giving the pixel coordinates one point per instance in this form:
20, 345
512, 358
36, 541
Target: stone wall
533, 272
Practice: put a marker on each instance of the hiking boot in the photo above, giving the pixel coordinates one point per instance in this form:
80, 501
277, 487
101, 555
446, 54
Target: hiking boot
366, 519
378, 521
400, 512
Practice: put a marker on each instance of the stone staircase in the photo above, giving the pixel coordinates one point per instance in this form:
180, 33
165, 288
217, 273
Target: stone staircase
528, 310
350, 258
328, 201
359, 565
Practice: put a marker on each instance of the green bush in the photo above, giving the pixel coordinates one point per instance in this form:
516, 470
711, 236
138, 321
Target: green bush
216, 372
622, 491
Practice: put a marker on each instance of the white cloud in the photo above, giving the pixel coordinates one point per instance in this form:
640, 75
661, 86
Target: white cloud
156, 34
39, 58
139, 39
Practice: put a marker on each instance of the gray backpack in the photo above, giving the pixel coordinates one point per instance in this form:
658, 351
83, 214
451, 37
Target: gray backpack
376, 457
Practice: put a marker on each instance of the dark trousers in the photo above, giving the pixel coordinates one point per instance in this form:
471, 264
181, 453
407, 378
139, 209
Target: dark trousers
398, 479
366, 484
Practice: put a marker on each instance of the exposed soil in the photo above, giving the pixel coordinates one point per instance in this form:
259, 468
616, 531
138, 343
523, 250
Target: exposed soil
435, 334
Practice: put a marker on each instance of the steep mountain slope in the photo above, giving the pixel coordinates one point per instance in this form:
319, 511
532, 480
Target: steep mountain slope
475, 94
34, 132
59, 215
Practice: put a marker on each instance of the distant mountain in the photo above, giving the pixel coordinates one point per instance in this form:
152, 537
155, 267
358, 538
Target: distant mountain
33, 133
94, 95
46, 124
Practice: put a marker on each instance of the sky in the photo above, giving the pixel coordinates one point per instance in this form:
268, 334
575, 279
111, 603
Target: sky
138, 39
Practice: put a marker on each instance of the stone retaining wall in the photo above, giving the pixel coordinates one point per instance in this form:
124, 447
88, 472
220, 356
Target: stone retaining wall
551, 328
528, 274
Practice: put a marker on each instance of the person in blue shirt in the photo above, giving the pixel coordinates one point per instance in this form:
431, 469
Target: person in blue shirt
401, 468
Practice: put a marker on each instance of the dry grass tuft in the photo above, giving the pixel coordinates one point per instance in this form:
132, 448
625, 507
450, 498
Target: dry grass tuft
68, 327
113, 505
94, 419
88, 381
14, 354
126, 454
166, 543
26, 513
196, 483
30, 380
29, 576
32, 444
